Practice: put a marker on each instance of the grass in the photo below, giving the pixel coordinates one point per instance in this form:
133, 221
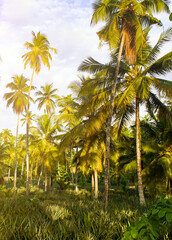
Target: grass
66, 214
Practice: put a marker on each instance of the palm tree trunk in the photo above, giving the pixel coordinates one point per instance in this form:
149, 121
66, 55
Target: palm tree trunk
27, 137
92, 181
15, 169
22, 170
71, 163
66, 163
109, 180
76, 178
31, 173
46, 179
27, 156
138, 150
50, 181
58, 170
108, 129
40, 176
9, 172
96, 183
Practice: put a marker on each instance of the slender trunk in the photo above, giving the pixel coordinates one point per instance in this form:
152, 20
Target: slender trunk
31, 173
58, 170
138, 150
50, 181
170, 186
22, 170
15, 169
71, 163
92, 181
40, 176
96, 183
9, 172
76, 178
36, 169
27, 137
108, 130
46, 179
66, 162
109, 180
27, 157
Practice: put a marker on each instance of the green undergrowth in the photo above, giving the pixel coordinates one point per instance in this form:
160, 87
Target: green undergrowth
154, 224
66, 215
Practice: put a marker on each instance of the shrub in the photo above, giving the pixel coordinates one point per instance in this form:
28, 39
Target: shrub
62, 184
155, 224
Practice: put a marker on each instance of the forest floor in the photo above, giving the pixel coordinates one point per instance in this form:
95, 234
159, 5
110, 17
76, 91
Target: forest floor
67, 214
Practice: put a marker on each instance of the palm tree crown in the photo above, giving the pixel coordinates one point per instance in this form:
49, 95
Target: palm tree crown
124, 19
39, 52
18, 97
46, 97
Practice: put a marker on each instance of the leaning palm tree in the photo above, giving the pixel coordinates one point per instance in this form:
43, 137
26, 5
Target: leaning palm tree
47, 97
18, 99
123, 31
39, 51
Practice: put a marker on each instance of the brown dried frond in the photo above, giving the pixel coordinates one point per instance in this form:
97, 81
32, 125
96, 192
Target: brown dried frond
129, 34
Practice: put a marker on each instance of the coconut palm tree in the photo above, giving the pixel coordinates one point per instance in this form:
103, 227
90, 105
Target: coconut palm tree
86, 134
47, 97
3, 156
122, 113
68, 116
7, 138
39, 52
140, 83
123, 30
157, 153
18, 99
44, 135
31, 118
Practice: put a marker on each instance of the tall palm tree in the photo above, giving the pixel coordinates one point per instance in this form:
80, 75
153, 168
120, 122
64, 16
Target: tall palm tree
140, 83
123, 30
68, 115
39, 52
47, 97
18, 99
86, 134
44, 135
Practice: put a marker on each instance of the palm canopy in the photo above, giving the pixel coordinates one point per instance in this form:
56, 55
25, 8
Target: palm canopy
43, 136
143, 77
5, 136
30, 116
125, 19
47, 97
39, 51
157, 157
47, 127
18, 97
68, 111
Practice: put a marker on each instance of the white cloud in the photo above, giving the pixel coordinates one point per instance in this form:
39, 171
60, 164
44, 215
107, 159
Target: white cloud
19, 12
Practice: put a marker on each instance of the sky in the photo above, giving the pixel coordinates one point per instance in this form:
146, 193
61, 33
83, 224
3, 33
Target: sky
66, 23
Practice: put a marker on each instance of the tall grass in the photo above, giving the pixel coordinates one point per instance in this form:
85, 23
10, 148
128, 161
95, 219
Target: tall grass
66, 215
